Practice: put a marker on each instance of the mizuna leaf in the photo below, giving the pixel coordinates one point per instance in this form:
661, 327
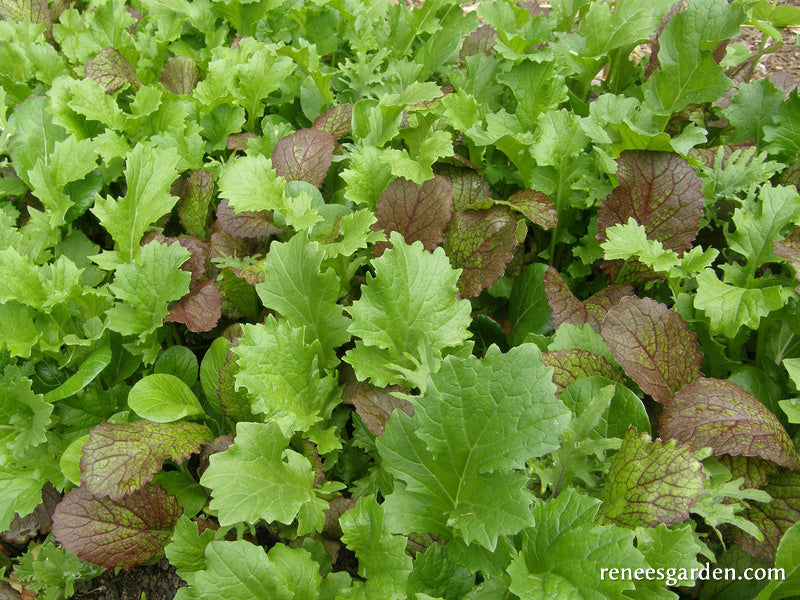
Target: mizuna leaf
465, 481
568, 309
122, 533
375, 405
110, 70
571, 365
773, 518
200, 310
651, 483
247, 224
536, 206
419, 212
337, 121
305, 155
260, 478
123, 457
480, 243
194, 207
180, 75
720, 415
662, 192
653, 345
470, 190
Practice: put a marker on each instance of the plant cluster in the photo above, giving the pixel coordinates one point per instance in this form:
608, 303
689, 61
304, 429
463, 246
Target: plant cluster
346, 299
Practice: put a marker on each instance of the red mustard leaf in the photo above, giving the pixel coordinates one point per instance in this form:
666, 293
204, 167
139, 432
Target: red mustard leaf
720, 415
304, 155
571, 365
218, 444
199, 259
116, 533
225, 244
180, 75
662, 192
120, 458
653, 345
567, 308
375, 405
200, 310
247, 224
773, 518
110, 70
480, 41
651, 483
337, 120
470, 190
535, 206
194, 208
480, 243
789, 248
419, 212
35, 11
791, 175
238, 141
234, 403
755, 470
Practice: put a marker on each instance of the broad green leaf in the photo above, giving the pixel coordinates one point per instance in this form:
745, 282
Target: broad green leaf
24, 415
538, 87
570, 365
163, 398
754, 106
653, 345
70, 462
282, 373
121, 533
186, 549
787, 557
408, 316
628, 24
624, 411
528, 310
460, 482
179, 361
22, 493
209, 368
122, 458
382, 558
149, 172
562, 556
259, 477
195, 204
90, 368
436, 575
781, 138
189, 494
672, 548
651, 482
298, 288
720, 415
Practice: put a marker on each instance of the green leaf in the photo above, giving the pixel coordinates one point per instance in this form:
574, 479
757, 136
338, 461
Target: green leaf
24, 415
189, 494
672, 548
90, 368
787, 557
461, 481
122, 458
163, 398
195, 204
528, 310
144, 289
382, 558
781, 138
179, 361
408, 316
754, 106
149, 172
283, 375
651, 482
626, 25
298, 288
186, 549
624, 411
259, 477
537, 86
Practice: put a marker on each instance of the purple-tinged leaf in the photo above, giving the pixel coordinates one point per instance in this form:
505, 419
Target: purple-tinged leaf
480, 41
238, 141
470, 190
720, 415
651, 482
234, 403
247, 224
774, 518
218, 444
116, 533
180, 75
480, 243
135, 15
653, 345
35, 11
375, 405
200, 252
568, 309
419, 212
536, 206
790, 175
200, 310
571, 365
22, 529
304, 155
224, 244
661, 192
789, 248
121, 458
337, 120
755, 470
194, 207
110, 70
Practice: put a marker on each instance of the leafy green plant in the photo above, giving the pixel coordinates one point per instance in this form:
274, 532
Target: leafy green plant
353, 299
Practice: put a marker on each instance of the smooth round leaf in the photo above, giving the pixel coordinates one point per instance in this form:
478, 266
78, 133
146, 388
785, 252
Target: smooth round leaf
163, 398
178, 361
71, 459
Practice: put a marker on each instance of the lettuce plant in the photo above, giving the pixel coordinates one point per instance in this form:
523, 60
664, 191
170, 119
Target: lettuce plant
347, 299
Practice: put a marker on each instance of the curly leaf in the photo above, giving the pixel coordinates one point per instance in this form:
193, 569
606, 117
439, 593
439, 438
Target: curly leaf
199, 310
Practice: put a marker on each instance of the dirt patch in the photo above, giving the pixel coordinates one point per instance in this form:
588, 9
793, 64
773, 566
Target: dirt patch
156, 582
783, 64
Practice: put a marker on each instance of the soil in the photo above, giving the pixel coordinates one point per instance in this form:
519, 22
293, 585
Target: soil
783, 66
